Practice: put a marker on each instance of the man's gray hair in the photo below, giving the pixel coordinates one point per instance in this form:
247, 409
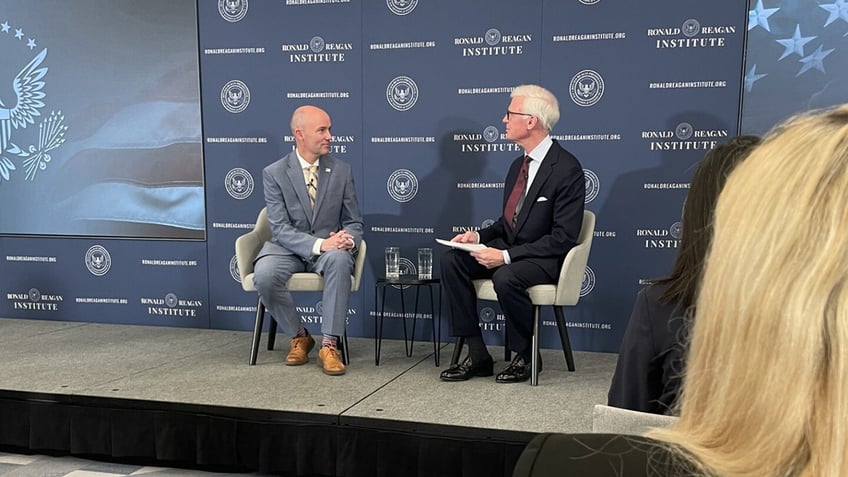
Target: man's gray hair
539, 102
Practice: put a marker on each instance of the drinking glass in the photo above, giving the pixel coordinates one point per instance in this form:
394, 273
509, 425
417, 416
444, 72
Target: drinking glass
425, 263
392, 262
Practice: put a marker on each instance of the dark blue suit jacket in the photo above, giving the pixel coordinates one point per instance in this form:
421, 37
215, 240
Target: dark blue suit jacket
651, 359
549, 222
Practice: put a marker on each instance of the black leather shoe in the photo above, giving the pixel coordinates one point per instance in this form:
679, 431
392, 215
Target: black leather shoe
467, 370
518, 371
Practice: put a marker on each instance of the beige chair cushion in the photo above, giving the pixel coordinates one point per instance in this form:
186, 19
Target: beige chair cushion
249, 245
614, 420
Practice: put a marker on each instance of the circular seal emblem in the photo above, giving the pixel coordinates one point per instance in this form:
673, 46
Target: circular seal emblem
683, 131
232, 10
97, 260
235, 96
491, 134
171, 300
319, 308
487, 223
401, 7
234, 270
493, 37
34, 294
487, 315
402, 93
239, 183
316, 44
586, 88
407, 269
593, 185
676, 230
589, 2
691, 27
588, 283
402, 185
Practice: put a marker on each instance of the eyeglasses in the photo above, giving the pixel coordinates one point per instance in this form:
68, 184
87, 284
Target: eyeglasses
508, 112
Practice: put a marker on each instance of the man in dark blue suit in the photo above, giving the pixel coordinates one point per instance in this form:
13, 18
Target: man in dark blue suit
543, 200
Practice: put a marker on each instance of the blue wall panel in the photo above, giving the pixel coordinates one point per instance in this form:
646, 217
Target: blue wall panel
417, 91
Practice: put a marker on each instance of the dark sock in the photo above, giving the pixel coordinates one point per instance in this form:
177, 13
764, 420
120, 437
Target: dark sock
477, 349
527, 356
301, 332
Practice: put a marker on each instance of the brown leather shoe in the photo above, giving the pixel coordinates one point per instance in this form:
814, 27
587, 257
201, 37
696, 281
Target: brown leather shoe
300, 348
330, 361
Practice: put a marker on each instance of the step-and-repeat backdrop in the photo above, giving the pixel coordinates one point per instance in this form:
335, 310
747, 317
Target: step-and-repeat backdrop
112, 216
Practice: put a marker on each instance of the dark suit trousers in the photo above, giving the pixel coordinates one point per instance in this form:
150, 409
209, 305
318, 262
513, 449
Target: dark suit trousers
511, 281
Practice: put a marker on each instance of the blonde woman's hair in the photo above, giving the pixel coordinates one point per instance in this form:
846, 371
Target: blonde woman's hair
766, 388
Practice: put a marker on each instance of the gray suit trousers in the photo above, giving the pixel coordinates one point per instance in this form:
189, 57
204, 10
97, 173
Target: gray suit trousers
272, 273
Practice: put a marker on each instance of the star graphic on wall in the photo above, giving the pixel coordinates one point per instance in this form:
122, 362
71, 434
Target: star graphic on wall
759, 16
752, 77
815, 60
19, 33
31, 43
794, 44
837, 9
5, 27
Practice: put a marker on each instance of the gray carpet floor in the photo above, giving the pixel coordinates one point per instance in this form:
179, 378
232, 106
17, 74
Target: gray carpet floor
210, 367
17, 465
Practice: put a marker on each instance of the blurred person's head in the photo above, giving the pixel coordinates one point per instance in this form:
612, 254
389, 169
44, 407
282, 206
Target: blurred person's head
706, 185
766, 386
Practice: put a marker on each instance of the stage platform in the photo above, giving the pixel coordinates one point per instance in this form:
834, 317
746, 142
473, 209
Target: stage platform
188, 398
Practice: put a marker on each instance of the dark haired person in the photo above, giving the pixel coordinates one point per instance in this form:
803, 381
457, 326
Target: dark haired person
650, 361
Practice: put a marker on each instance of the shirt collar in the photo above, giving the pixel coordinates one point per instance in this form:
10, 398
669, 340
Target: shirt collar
539, 152
302, 161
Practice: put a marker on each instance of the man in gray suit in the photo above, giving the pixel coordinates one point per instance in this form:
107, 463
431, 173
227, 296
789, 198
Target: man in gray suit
315, 226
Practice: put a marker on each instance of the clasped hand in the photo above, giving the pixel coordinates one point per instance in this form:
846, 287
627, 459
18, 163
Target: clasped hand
340, 240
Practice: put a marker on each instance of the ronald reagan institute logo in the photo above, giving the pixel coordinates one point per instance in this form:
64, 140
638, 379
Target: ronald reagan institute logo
402, 185
232, 10
588, 283
235, 96
402, 93
401, 7
239, 183
98, 261
593, 185
586, 88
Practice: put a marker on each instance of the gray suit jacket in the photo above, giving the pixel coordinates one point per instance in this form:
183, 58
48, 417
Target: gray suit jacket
295, 226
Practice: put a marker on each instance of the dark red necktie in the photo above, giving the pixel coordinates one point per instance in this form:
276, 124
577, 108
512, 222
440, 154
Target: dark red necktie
513, 203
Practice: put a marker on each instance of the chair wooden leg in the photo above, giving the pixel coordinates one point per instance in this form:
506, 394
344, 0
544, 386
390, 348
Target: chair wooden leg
457, 350
534, 360
257, 332
563, 337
